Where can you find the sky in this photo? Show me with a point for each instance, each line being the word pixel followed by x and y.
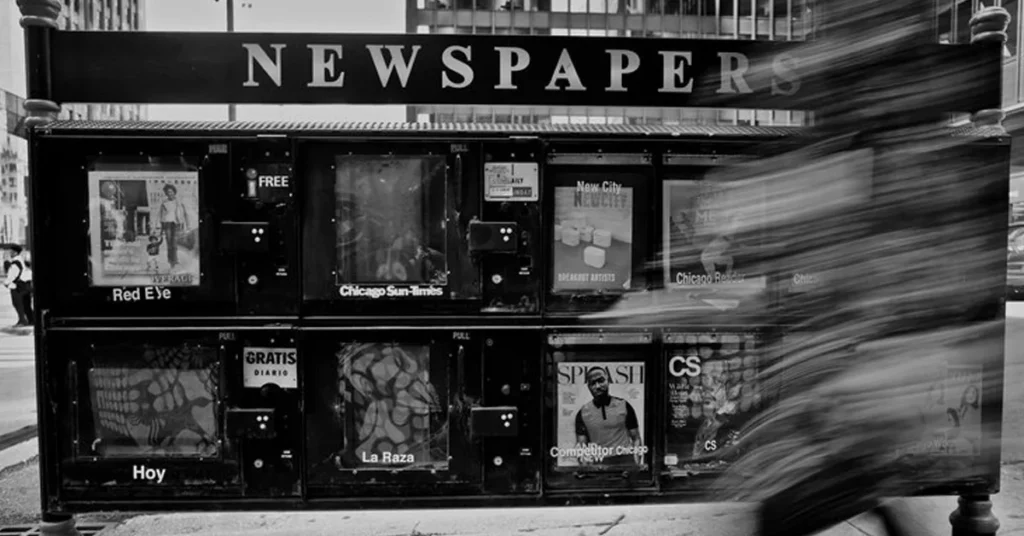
pixel 300 16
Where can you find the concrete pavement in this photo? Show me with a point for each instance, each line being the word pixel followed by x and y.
pixel 17 374
pixel 926 516
pixel 19 493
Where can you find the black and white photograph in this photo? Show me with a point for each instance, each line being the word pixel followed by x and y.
pixel 512 267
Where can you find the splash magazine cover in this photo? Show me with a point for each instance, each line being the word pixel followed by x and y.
pixel 144 228
pixel 713 389
pixel 593 240
pixel 600 415
pixel 710 240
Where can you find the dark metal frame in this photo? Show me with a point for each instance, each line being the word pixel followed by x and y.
pixel 53 328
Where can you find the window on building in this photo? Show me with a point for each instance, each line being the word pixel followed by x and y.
pixel 1013 6
pixel 596 6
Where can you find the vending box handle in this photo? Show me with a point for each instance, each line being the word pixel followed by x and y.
pixel 460 368
pixel 458 182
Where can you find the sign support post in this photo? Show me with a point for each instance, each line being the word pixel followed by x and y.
pixel 973 516
pixel 39 18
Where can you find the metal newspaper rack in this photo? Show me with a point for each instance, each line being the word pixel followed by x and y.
pixel 234 315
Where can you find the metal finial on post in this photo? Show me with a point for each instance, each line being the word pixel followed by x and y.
pixel 989 24
pixel 39 18
pixel 42 13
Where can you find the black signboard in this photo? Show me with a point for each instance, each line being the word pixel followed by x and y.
pixel 267 68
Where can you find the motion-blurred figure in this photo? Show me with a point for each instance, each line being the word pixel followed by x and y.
pixel 905 225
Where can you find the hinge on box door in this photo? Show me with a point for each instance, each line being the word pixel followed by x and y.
pixel 705 159
pixel 599 159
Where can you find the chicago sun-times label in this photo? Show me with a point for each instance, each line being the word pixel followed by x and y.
pixel 376 292
pixel 261 365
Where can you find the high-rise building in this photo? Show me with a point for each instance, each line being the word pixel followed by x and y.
pixel 99 15
pixel 779 20
pixel 103 15
pixel 691 19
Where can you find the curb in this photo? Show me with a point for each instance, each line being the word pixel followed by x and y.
pixel 18 456
pixel 1014 309
pixel 19 436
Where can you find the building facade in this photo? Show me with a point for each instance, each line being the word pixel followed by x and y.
pixel 782 20
pixel 103 15
pixel 99 15
pixel 693 19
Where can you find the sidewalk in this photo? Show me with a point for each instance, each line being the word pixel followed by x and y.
pixel 8 317
pixel 927 516
pixel 19 495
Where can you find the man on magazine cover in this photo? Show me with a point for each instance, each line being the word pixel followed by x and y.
pixel 610 423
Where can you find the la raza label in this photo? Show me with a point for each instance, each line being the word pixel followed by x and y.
pixel 261 366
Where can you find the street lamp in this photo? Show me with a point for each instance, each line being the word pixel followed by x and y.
pixel 231 28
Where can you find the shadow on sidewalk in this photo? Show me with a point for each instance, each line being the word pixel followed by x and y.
pixel 17 330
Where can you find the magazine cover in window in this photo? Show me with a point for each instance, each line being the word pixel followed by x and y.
pixel 600 409
pixel 144 228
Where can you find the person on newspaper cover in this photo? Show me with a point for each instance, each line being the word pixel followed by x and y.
pixel 153 253
pixel 608 422
pixel 173 219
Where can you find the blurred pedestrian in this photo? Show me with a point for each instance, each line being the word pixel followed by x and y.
pixel 19 282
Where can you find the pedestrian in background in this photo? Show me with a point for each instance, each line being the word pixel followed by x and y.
pixel 19 281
